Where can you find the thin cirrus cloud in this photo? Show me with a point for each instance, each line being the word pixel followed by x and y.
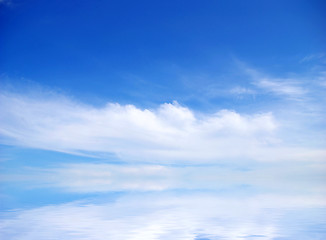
pixel 285 87
pixel 312 57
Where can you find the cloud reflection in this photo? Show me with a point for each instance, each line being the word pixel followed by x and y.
pixel 168 216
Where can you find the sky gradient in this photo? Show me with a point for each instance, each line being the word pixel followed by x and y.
pixel 196 120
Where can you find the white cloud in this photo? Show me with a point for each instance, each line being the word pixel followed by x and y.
pixel 163 216
pixel 170 132
pixel 290 88
pixel 286 87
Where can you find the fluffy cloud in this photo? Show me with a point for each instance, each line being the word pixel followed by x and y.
pixel 169 132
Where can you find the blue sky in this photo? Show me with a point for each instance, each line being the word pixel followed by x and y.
pixel 103 49
pixel 162 119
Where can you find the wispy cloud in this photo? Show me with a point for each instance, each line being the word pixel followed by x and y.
pixel 285 87
pixel 298 99
pixel 311 57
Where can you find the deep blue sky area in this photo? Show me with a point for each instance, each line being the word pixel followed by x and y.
pixel 104 48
